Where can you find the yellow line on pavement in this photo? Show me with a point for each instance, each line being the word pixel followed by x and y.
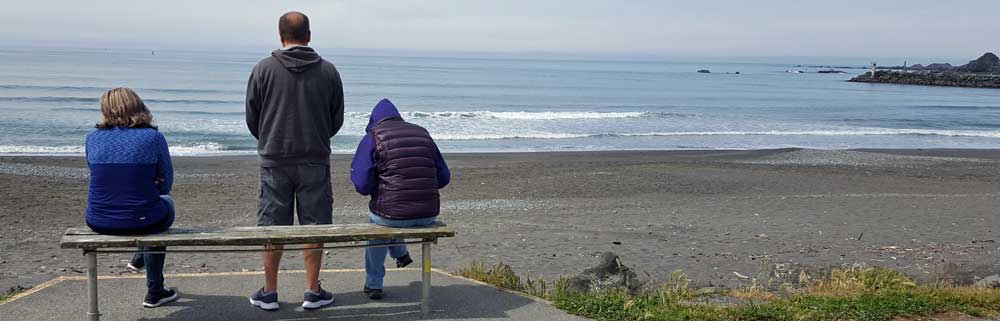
pixel 34 289
pixel 60 279
pixel 212 274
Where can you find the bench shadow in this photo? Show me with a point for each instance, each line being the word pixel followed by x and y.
pixel 458 301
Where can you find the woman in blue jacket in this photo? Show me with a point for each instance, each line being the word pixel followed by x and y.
pixel 130 180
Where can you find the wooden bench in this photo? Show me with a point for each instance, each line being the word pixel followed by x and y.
pixel 236 239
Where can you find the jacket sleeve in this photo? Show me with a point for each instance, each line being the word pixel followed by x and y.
pixel 443 173
pixel 337 105
pixel 363 170
pixel 253 105
pixel 164 167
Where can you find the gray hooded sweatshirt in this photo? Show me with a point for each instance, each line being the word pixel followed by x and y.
pixel 295 104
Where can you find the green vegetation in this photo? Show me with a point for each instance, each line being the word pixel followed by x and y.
pixel 861 294
pixel 4 296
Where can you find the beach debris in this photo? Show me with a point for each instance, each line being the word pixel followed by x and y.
pixel 992 281
pixel 861 235
pixel 704 71
pixel 760 236
pixel 616 243
pixel 740 275
pixel 610 273
pixel 16 289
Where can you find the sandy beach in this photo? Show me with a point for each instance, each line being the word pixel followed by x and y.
pixel 757 213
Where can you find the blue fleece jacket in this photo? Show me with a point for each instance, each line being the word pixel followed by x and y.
pixel 364 167
pixel 129 169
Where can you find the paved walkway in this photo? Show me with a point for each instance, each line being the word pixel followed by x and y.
pixel 223 296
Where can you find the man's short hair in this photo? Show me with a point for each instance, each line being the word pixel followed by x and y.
pixel 294 26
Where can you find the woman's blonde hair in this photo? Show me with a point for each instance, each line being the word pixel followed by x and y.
pixel 122 107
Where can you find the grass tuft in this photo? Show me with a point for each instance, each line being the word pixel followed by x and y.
pixel 856 293
pixel 502 275
pixel 858 280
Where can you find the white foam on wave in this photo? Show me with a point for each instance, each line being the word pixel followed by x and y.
pixel 860 132
pixel 77 150
pixel 865 132
pixel 47 150
pixel 206 149
pixel 525 135
pixel 519 115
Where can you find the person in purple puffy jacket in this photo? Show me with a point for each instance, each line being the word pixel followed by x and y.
pixel 399 165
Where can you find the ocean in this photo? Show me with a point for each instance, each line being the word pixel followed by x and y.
pixel 49 101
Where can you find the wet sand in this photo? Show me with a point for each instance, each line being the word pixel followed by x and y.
pixel 758 213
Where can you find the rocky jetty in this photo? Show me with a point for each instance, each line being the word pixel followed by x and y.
pixel 983 72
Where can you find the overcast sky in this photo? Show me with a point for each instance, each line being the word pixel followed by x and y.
pixel 850 28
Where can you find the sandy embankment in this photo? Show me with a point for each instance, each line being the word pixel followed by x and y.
pixel 710 213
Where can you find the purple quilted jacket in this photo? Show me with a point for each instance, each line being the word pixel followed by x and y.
pixel 400 166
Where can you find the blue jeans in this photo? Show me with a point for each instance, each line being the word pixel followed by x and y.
pixel 375 256
pixel 154 262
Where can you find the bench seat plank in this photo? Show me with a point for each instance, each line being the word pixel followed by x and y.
pixel 85 238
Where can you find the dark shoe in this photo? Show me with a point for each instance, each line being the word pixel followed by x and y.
pixel 312 300
pixel 403 261
pixel 374 294
pixel 155 299
pixel 266 301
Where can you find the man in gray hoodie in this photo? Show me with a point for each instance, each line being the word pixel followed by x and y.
pixel 294 106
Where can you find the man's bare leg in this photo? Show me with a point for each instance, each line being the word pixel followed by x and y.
pixel 313 261
pixel 272 261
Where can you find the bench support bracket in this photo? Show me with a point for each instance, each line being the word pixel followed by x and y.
pixel 92 313
pixel 425 304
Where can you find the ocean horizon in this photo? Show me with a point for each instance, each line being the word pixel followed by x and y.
pixel 503 103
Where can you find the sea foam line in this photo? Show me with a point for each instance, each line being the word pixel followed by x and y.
pixel 861 132
pixel 869 132
pixel 210 148
pixel 524 115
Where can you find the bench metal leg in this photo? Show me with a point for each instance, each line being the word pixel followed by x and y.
pixel 425 304
pixel 93 314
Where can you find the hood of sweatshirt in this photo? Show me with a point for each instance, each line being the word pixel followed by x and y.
pixel 297 59
pixel 383 110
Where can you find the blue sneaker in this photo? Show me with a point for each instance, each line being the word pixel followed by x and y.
pixel 266 301
pixel 315 300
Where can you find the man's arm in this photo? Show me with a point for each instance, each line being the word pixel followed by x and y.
pixel 164 168
pixel 253 105
pixel 443 173
pixel 337 105
pixel 363 170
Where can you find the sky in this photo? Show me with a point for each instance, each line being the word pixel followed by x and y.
pixel 843 28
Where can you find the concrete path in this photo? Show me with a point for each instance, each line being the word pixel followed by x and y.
pixel 223 296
